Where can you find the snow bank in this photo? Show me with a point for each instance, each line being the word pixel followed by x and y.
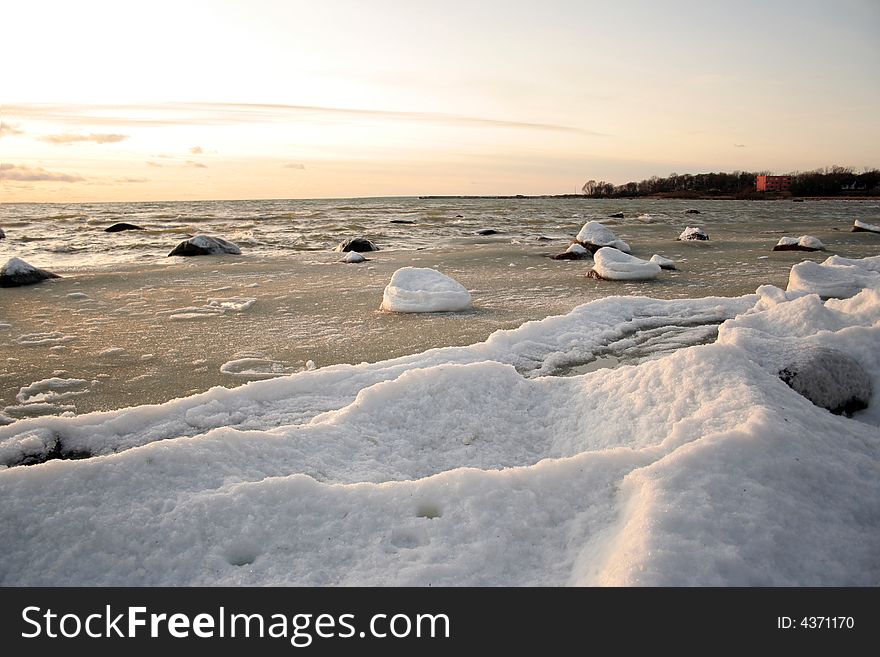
pixel 833 278
pixel 594 235
pixel 422 290
pixel 475 466
pixel 613 265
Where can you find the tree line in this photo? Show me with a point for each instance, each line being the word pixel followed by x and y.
pixel 827 181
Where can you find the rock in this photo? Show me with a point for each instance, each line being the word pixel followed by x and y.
pixel 616 215
pixel 488 231
pixel 17 272
pixel 828 378
pixel 802 243
pixel 359 244
pixel 401 221
pixel 692 211
pixel 611 264
pixel 422 290
pixel 573 252
pixel 353 257
pixel 204 245
pixel 595 236
pixel 797 200
pixel 117 228
pixel 542 238
pixel 663 263
pixel 864 227
pixel 2 234
pixel 691 234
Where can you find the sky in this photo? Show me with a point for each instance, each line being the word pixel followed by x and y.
pixel 246 99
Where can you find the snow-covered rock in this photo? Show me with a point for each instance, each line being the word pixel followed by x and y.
pixel 573 252
pixel 358 244
pixel 693 234
pixel 802 243
pixel 16 272
pixel 830 279
pixel 352 257
pixel 204 245
pixel 422 290
pixel 864 227
pixel 828 378
pixel 612 265
pixel 594 236
pixel 663 263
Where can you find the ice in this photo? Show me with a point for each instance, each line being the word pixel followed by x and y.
pixel 598 235
pixel 235 304
pixel 51 390
pixel 613 265
pixel 692 466
pixel 38 339
pixel 254 366
pixel 422 290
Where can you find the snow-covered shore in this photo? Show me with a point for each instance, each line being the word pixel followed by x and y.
pixel 690 463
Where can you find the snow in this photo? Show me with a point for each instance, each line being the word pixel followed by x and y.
pixel 422 290
pixel 479 466
pixel 598 235
pixel 17 267
pixel 693 233
pixel 50 390
pixel 353 257
pixel 834 277
pixel 576 248
pixel 613 265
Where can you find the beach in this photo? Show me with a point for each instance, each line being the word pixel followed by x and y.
pixel 256 419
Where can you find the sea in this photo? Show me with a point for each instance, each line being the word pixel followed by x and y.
pixel 71 237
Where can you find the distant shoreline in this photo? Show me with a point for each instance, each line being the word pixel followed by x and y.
pixel 657 197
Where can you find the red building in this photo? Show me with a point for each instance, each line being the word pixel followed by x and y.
pixel 773 183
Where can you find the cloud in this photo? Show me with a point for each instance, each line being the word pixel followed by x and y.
pixel 15 172
pixel 10 129
pixel 294 165
pixel 196 165
pixel 739 145
pixel 153 164
pixel 164 114
pixel 196 150
pixel 73 138
pixel 132 180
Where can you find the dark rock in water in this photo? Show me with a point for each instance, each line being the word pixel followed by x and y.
pixel 401 221
pixel 691 211
pixel 16 273
pixel 459 216
pixel 488 231
pixel 358 244
pixel 2 234
pixel 793 247
pixel 204 245
pixel 829 379
pixel 797 200
pixel 616 215
pixel 117 228
pixel 542 238
pixel 571 255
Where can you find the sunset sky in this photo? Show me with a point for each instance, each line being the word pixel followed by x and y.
pixel 180 100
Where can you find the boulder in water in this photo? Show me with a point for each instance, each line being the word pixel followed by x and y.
pixel 573 252
pixel 693 234
pixel 423 290
pixel 594 236
pixel 204 245
pixel 802 243
pixel 353 257
pixel 663 263
pixel 864 227
pixel 359 244
pixel 118 228
pixel 613 265
pixel 17 272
